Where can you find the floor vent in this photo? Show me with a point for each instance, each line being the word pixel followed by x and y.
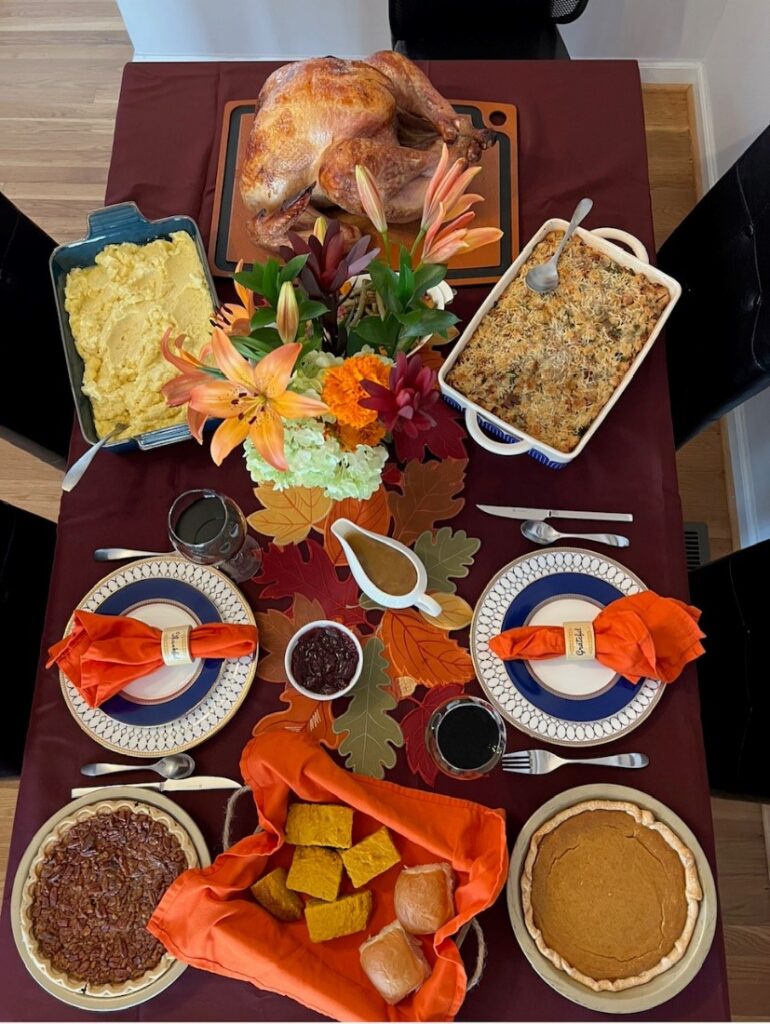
pixel 696 545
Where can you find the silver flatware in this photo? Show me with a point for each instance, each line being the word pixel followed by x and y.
pixel 117 554
pixel 74 474
pixel 542 533
pixel 540 762
pixel 545 277
pixel 175 766
pixel 196 783
pixel 516 512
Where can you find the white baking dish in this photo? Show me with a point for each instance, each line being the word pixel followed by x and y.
pixel 513 441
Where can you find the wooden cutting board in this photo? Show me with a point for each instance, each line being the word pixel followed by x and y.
pixel 498 183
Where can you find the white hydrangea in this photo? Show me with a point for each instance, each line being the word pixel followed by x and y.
pixel 318 460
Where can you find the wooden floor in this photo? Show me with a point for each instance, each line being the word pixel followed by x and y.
pixel 60 67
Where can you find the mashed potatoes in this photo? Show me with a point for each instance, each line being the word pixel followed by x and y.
pixel 119 311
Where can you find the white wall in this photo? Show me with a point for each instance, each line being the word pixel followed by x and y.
pixel 255 29
pixel 644 29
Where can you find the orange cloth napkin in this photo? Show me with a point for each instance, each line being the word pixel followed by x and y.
pixel 643 636
pixel 209 919
pixel 103 653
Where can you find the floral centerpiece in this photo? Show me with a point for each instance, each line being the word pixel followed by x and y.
pixel 311 370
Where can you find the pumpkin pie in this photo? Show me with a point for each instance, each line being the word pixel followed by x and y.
pixel 610 895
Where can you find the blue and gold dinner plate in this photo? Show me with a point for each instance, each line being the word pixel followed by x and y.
pixel 175 707
pixel 559 701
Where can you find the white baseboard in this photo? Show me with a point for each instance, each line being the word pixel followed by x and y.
pixel 734 423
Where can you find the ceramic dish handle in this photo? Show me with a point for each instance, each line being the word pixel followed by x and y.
pixel 496 447
pixel 633 243
pixel 111 219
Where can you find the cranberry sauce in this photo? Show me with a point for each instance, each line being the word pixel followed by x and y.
pixel 324 660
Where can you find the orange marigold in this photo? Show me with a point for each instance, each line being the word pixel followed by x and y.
pixel 342 390
pixel 351 437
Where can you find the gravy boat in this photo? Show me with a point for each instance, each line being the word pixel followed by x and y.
pixel 344 528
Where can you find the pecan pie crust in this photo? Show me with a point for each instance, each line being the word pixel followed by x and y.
pixel 90 891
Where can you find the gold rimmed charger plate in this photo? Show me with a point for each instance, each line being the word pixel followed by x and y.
pixel 220 703
pixel 79 999
pixel 661 988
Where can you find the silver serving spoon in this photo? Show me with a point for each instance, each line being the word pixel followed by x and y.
pixel 543 533
pixel 175 766
pixel 74 474
pixel 545 277
pixel 116 554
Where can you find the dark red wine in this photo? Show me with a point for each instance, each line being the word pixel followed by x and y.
pixel 201 522
pixel 468 737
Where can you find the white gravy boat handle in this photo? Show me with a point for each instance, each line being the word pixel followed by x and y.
pixel 428 605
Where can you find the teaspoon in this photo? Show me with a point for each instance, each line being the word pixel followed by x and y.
pixel 545 277
pixel 543 533
pixel 175 766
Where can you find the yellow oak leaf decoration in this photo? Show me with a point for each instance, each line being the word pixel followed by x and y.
pixel 289 516
pixel 455 613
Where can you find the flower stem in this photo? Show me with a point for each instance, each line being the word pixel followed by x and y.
pixel 420 236
pixel 385 247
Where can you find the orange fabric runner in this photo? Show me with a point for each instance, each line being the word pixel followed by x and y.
pixel 209 919
pixel 103 653
pixel 643 636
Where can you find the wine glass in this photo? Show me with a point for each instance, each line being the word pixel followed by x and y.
pixel 209 528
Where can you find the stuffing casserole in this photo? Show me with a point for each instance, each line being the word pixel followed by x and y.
pixel 548 364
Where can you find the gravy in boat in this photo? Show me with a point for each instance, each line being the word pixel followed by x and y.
pixel 387 568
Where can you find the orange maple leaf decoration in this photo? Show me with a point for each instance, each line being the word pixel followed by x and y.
pixel 416 649
pixel 303 714
pixel 430 493
pixel 373 514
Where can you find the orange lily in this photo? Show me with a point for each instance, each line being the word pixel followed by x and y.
pixel 234 318
pixel 178 391
pixel 447 187
pixel 287 313
pixel 449 242
pixel 371 200
pixel 253 401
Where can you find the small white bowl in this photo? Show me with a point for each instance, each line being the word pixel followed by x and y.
pixel 293 643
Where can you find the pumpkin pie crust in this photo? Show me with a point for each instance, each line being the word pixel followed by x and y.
pixel 610 895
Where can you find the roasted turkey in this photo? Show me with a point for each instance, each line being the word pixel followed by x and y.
pixel 316 119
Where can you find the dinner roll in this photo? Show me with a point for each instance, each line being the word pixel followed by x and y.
pixel 394 963
pixel 423 897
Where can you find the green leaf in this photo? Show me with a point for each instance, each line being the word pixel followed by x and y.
pixel 269 335
pixel 250 348
pixel 447 555
pixel 264 316
pixel 251 279
pixel 291 269
pixel 377 333
pixel 369 605
pixel 425 321
pixel 405 286
pixel 309 309
pixel 428 276
pixel 371 735
pixel 385 281
pixel 270 282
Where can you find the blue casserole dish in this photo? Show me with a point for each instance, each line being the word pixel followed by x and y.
pixel 120 223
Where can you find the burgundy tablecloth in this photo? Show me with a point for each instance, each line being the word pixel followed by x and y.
pixel 581 133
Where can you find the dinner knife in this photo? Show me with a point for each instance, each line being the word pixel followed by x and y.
pixel 512 512
pixel 196 782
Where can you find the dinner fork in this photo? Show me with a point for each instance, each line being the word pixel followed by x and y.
pixel 539 762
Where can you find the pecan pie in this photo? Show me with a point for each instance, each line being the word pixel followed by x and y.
pixel 91 890
pixel 611 896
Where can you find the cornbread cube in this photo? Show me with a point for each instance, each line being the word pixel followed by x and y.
pixel 320 825
pixel 316 871
pixel 370 857
pixel 272 893
pixel 343 917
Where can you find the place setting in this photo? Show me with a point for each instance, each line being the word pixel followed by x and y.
pixel 396 717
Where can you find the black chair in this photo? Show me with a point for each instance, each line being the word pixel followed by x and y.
pixel 486 30
pixel 732 674
pixel 38 403
pixel 718 337
pixel 26 556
